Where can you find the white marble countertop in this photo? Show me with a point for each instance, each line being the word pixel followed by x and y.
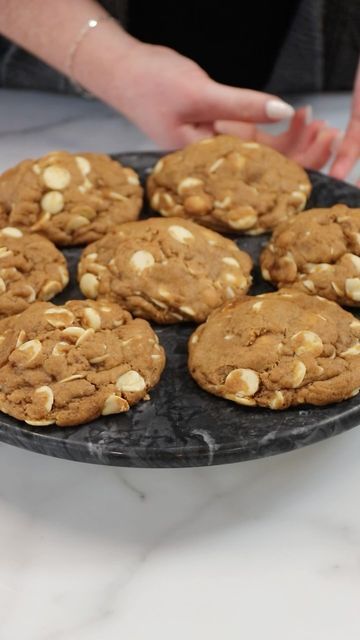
pixel 264 549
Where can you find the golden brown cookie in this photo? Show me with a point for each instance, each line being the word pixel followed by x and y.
pixel 229 185
pixel 278 349
pixel 71 199
pixel 68 365
pixel 317 252
pixel 31 268
pixel 165 270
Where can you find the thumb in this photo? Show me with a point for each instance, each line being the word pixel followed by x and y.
pixel 220 102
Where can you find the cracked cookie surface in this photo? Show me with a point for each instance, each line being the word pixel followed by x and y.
pixel 67 365
pixel 31 268
pixel 278 350
pixel 318 252
pixel 69 198
pixel 165 270
pixel 229 185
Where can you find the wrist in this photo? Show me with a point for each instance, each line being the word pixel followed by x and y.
pixel 102 60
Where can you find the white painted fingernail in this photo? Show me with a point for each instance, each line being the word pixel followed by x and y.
pixel 279 110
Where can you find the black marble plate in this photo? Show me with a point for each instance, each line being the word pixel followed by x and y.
pixel 183 426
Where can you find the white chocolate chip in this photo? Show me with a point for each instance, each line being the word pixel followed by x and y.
pixel 56 177
pixel 114 404
pixel 188 183
pixel 60 348
pixel 164 293
pixel 30 296
pixel 92 257
pixel 39 423
pixel 257 306
pixel 231 261
pixel 155 200
pixel 181 234
pixel 131 176
pixel 76 222
pixel 20 339
pixel 352 351
pixel 85 186
pixel 307 342
pixel 31 348
pixel 88 333
pixel 230 293
pixel 158 303
pixel 64 276
pixel 265 273
pixel 247 402
pixel 11 232
pixel 76 376
pixel 309 285
pixel 52 202
pixel 85 211
pixel 93 319
pixel 5 253
pixel 59 317
pixel 141 260
pixel 50 289
pixel 73 332
pixel 89 285
pixel 355 261
pixel 229 336
pixel 194 338
pixel 352 288
pixel 158 167
pixel 48 397
pixel 216 165
pixel 83 164
pixel 277 401
pixel 243 382
pixel 337 289
pixel 298 373
pixel 312 267
pixel 355 325
pixel 130 382
pixel 36 169
pixel 98 359
pixel 237 160
pixel 223 204
pixel 250 145
pixel 117 196
pixel 245 222
pixel 41 222
pixel 188 310
pixel 298 196
pixel 304 187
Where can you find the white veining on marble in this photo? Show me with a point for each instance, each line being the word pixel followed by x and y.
pixel 264 549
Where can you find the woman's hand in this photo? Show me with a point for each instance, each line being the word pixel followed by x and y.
pixel 174 101
pixel 349 149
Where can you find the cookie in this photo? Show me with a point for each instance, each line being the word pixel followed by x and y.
pixel 68 365
pixel 278 350
pixel 165 270
pixel 229 185
pixel 70 199
pixel 318 252
pixel 31 268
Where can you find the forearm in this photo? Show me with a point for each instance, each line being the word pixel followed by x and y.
pixel 49 29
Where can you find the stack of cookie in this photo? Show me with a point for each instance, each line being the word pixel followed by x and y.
pixel 66 365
